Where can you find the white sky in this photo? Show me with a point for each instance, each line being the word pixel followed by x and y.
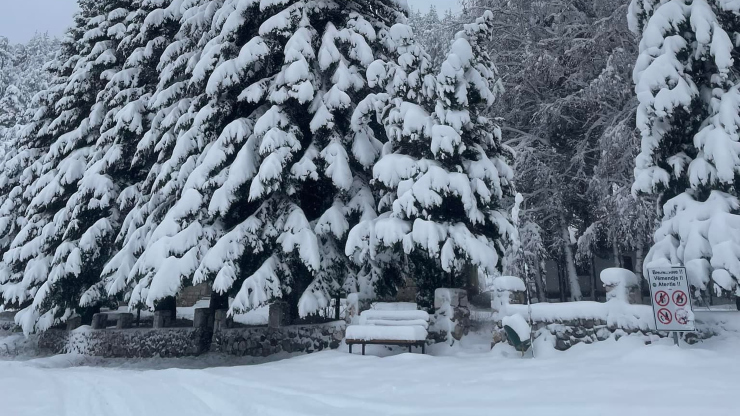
pixel 20 19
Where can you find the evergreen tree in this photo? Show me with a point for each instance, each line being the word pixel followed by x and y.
pixel 23 270
pixel 159 155
pixel 687 83
pixel 59 243
pixel 444 172
pixel 264 172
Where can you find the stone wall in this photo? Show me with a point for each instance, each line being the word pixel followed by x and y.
pixel 451 320
pixel 192 294
pixel 127 343
pixel 571 323
pixel 7 327
pixel 264 341
pixel 206 335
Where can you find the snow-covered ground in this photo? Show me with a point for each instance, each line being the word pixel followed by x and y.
pixel 609 378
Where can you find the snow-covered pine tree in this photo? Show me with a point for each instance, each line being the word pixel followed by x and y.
pixel 68 234
pixel 265 172
pixel 444 171
pixel 111 184
pixel 687 82
pixel 406 82
pixel 22 76
pixel 22 271
pixel 21 165
pixel 166 147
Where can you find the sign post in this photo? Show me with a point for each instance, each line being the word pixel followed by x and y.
pixel 669 291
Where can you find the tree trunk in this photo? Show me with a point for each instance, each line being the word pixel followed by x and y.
pixel 615 251
pixel 570 265
pixel 561 280
pixel 594 280
pixel 337 306
pixel 218 301
pixel 472 280
pixel 539 282
pixel 87 314
pixel 639 261
pixel 167 304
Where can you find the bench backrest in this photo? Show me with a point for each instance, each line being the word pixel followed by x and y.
pixel 395 318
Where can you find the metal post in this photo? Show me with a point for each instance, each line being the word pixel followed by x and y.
pixel 675 338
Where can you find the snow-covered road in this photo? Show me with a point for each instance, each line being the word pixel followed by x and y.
pixel 612 378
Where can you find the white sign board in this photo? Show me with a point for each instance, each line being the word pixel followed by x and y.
pixel 669 289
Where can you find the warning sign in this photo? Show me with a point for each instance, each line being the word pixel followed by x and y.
pixel 669 287
pixel 662 298
pixel 682 316
pixel 664 316
pixel 680 298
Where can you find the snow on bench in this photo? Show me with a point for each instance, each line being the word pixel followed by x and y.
pixel 386 333
pixel 390 324
pixel 395 306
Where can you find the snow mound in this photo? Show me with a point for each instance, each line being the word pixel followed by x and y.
pixel 395 315
pixel 615 276
pixel 395 306
pixel 518 324
pixel 618 314
pixel 508 283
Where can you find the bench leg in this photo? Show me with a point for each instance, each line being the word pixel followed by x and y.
pixel 409 348
pixel 423 348
pixel 363 349
pixel 350 348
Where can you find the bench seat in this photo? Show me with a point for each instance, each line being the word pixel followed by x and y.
pixel 400 326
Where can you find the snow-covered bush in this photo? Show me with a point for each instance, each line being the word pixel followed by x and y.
pixel 687 83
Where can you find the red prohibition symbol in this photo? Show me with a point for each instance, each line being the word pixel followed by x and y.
pixel 664 316
pixel 680 298
pixel 682 317
pixel 662 298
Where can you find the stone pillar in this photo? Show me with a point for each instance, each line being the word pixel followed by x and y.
pixel 74 322
pixel 507 290
pixel 162 319
pixel 99 321
pixel 221 319
pixel 125 321
pixel 355 306
pixel 279 315
pixel 202 318
pixel 621 285
pixel 451 314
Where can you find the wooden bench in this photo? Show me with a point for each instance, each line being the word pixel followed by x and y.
pixel 390 324
pixel 409 344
